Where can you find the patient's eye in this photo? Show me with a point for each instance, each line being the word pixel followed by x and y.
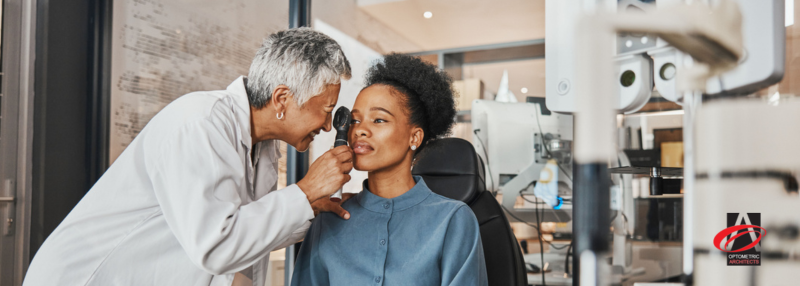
pixel 379 120
pixel 354 121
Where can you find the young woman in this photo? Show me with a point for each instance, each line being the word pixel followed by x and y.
pixel 399 231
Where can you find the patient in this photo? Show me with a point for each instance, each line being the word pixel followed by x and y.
pixel 399 232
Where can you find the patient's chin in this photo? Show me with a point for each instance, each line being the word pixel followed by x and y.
pixel 360 165
pixel 369 164
pixel 367 168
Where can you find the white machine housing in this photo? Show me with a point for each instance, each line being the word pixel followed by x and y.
pixel 506 137
pixel 635 95
pixel 763 64
pixel 507 131
pixel 666 62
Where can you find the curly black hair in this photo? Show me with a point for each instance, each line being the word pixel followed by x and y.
pixel 428 92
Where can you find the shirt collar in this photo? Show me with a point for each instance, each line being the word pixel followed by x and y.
pixel 414 196
pixel 242 104
pixel 271 148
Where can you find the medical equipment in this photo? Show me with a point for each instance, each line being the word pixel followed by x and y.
pixel 516 141
pixel 643 61
pixel 712 42
pixel 341 122
pixel 546 187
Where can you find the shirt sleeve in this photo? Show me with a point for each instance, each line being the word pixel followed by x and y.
pixel 309 268
pixel 197 176
pixel 295 237
pixel 462 254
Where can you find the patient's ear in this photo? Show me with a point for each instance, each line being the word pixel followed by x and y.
pixel 416 137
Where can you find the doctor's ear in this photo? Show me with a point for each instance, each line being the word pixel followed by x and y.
pixel 280 97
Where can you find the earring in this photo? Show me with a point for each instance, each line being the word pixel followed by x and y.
pixel 279 116
pixel 413 147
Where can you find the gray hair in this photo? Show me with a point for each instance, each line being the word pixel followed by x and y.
pixel 302 59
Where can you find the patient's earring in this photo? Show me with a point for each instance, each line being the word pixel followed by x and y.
pixel 279 116
pixel 413 147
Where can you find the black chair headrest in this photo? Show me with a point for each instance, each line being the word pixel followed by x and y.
pixel 452 169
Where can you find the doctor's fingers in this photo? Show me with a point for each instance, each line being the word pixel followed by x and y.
pixel 347 196
pixel 346 167
pixel 346 178
pixel 346 156
pixel 344 149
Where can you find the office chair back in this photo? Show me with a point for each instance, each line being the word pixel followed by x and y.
pixel 451 168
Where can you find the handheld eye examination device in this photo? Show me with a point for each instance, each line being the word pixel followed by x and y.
pixel 341 122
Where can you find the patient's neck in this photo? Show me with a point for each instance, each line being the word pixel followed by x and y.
pixel 391 182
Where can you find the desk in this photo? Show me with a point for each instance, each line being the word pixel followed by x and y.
pixel 660 260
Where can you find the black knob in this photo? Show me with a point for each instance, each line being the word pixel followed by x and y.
pixel 656 185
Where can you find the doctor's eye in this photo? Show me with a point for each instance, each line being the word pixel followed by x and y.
pixel 354 121
pixel 379 121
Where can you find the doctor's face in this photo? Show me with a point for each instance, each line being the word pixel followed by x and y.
pixel 312 118
pixel 381 132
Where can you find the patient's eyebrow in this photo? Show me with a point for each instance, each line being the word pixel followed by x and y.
pixel 381 109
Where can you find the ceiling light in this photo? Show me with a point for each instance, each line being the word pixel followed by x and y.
pixel 427 14
pixel 524 90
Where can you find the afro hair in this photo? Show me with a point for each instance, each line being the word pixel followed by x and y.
pixel 428 92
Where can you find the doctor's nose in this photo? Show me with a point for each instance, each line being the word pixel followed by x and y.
pixel 327 125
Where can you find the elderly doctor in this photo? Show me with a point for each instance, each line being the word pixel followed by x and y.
pixel 192 200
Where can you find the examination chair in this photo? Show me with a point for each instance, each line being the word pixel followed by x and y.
pixel 452 169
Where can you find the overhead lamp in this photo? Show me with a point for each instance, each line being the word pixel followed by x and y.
pixel 427 14
pixel 524 90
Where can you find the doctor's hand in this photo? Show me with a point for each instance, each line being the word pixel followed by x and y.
pixel 327 174
pixel 333 207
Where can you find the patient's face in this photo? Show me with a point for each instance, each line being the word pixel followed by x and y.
pixel 380 133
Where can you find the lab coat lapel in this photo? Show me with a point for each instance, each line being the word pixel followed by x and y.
pixel 266 167
pixel 261 179
pixel 241 107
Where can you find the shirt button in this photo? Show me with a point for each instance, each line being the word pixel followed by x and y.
pixel 383 241
pixel 377 280
pixel 386 205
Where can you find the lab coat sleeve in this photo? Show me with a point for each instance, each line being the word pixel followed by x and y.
pixel 309 269
pixel 462 253
pixel 197 177
pixel 296 236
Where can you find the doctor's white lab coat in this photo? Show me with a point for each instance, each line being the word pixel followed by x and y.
pixel 183 205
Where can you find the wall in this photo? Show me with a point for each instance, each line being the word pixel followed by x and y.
pixel 347 17
pixel 791 79
pixel 463 23
pixel 525 73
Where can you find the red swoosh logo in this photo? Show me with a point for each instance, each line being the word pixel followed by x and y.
pixel 728 231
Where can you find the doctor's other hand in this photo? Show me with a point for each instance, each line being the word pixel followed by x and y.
pixel 334 207
pixel 327 174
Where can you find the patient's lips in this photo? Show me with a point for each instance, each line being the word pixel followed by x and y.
pixel 362 147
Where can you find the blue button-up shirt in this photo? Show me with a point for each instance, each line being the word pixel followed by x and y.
pixel 418 238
